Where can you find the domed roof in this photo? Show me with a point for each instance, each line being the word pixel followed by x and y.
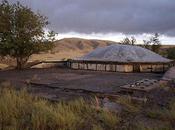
pixel 124 53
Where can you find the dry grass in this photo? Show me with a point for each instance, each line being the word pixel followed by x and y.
pixel 19 111
pixel 57 56
pixel 132 112
pixel 165 114
pixel 3 66
pixel 129 105
pixel 143 127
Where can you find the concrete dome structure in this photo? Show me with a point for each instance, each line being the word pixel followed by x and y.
pixel 122 58
pixel 124 53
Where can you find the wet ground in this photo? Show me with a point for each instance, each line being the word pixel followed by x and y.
pixel 59 82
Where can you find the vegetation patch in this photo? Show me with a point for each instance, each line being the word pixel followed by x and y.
pixel 19 111
pixel 129 105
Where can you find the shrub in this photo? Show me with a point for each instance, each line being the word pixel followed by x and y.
pixel 171 53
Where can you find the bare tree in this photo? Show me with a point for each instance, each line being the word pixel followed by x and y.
pixel 129 41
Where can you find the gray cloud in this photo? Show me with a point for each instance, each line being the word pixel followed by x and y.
pixel 103 16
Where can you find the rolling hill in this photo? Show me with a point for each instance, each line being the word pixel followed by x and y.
pixel 81 45
pixel 69 48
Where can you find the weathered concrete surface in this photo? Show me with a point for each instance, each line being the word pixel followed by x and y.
pixel 170 74
pixel 61 80
pixel 124 53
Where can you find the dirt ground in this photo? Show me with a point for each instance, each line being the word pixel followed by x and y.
pixel 56 82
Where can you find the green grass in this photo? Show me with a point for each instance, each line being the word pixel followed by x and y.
pixel 20 111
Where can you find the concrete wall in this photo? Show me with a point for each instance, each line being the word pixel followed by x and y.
pixel 119 68
pixel 153 68
pixel 145 68
pixel 48 65
pixel 91 66
pixel 128 68
pixel 103 67
pixel 74 65
pixel 45 65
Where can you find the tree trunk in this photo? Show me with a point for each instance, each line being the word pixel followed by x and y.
pixel 18 63
pixel 21 62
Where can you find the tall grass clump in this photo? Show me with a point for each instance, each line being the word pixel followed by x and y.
pixel 21 111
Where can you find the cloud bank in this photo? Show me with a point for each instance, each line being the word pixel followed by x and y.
pixel 106 16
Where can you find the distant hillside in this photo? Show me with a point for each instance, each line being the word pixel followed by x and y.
pixel 66 48
pixel 70 48
pixel 81 45
pixel 76 47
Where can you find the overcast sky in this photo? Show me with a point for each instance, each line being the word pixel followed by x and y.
pixel 108 17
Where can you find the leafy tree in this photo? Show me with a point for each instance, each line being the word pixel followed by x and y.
pixel 128 41
pixel 171 53
pixel 153 43
pixel 22 32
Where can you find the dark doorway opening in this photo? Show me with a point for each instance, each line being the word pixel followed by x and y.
pixel 136 68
